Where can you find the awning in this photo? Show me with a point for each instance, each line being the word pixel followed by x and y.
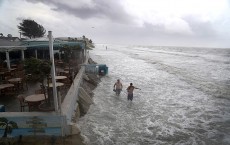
pixel 10 46
pixel 40 43
pixel 44 44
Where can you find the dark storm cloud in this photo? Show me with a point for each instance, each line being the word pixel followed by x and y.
pixel 201 29
pixel 118 22
pixel 153 34
pixel 111 10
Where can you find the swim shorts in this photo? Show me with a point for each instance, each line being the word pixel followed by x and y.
pixel 118 91
pixel 130 97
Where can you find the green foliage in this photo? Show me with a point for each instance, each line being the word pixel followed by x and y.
pixel 45 67
pixel 3 120
pixel 68 51
pixel 31 29
pixel 7 125
pixel 38 68
pixel 31 66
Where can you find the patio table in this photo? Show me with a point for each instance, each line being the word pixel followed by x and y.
pixel 60 77
pixel 3 86
pixel 67 69
pixel 16 81
pixel 57 84
pixel 35 98
pixel 64 73
pixel 60 62
pixel 13 66
pixel 2 75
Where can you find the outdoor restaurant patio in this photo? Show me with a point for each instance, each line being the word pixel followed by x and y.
pixel 19 92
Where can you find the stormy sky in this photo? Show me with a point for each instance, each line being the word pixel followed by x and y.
pixel 200 23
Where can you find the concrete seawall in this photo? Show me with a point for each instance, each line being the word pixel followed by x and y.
pixel 78 100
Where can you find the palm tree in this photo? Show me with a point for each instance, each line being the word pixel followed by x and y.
pixel 8 125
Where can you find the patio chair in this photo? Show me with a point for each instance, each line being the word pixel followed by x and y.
pixel 7 76
pixel 10 91
pixel 24 81
pixel 43 90
pixel 39 91
pixel 21 74
pixel 23 104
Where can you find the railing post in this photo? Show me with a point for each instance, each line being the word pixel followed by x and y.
pixel 53 71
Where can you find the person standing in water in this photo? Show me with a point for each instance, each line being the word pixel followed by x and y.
pixel 130 91
pixel 118 87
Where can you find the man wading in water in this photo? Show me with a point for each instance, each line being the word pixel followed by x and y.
pixel 130 91
pixel 118 87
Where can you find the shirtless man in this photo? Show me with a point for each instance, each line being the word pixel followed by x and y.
pixel 130 91
pixel 118 87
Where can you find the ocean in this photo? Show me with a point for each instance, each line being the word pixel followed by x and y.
pixel 184 97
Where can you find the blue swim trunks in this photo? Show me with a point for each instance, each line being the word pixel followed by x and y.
pixel 130 97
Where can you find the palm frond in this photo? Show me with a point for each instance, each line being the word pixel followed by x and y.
pixel 13 124
pixel 3 119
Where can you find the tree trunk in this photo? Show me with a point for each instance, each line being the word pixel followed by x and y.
pixel 5 131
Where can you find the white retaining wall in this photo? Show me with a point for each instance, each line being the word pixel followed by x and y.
pixel 69 104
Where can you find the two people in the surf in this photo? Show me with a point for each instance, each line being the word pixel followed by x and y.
pixel 118 88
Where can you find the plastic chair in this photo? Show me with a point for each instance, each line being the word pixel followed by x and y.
pixel 23 104
pixel 10 91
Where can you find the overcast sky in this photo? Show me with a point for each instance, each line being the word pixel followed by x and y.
pixel 144 22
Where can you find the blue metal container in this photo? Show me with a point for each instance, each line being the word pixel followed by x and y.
pixel 99 69
pixel 103 69
pixel 2 108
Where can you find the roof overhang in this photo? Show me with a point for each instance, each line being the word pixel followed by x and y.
pixel 11 48
pixel 39 43
pixel 45 44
